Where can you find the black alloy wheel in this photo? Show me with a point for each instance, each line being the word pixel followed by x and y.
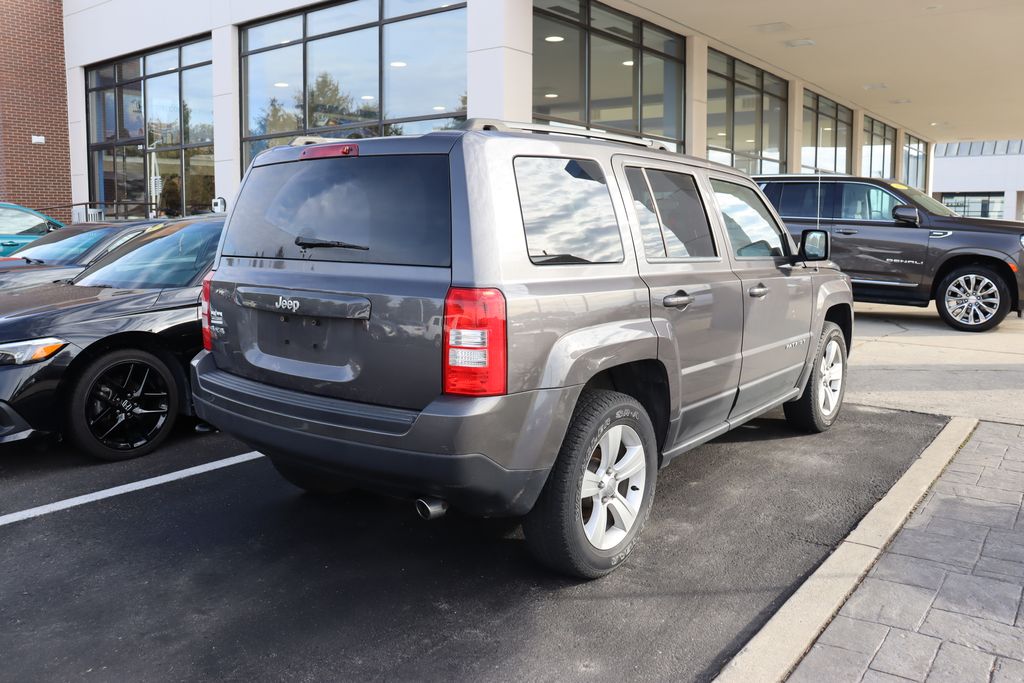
pixel 124 405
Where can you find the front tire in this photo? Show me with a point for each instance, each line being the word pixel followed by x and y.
pixel 123 405
pixel 599 493
pixel 818 408
pixel 972 299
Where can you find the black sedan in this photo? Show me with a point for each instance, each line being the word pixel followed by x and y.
pixel 63 254
pixel 101 359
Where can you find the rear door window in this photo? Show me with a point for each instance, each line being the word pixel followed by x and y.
pixel 567 211
pixel 375 209
pixel 673 221
pixel 862 202
pixel 806 200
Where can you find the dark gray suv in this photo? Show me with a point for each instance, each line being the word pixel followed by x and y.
pixel 901 246
pixel 514 322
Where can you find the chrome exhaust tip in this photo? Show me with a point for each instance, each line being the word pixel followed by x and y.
pixel 431 508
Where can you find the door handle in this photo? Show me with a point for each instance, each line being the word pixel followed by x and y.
pixel 847 231
pixel 758 291
pixel 678 300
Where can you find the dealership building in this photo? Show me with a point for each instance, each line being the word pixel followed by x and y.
pixel 165 109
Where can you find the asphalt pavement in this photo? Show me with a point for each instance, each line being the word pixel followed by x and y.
pixel 235 574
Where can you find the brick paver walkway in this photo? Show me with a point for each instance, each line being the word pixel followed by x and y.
pixel 943 603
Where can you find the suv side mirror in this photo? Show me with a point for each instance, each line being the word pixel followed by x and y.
pixel 906 214
pixel 815 245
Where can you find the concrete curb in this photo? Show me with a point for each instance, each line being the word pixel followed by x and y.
pixel 778 647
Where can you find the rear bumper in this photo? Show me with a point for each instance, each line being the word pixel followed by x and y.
pixel 487 456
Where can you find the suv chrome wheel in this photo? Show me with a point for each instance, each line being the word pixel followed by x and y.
pixel 613 487
pixel 972 299
pixel 831 378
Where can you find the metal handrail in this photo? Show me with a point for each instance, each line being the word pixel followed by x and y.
pixel 498 125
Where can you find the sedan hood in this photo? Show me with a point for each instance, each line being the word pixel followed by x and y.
pixel 27 275
pixel 46 310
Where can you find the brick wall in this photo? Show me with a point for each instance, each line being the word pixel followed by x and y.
pixel 33 101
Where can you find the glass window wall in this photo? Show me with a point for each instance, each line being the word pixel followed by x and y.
pixel 151 133
pixel 594 66
pixel 828 136
pixel 747 111
pixel 345 71
pixel 879 151
pixel 915 161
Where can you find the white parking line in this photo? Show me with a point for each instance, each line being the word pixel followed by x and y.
pixel 13 517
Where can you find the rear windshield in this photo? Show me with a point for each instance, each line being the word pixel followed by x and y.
pixel 385 209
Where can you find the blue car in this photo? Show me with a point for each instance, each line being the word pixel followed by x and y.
pixel 19 226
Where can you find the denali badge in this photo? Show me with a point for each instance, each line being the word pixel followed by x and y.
pixel 287 304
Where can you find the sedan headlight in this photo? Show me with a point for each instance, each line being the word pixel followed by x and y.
pixel 31 351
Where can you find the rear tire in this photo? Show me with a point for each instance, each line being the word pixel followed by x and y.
pixel 123 405
pixel 311 481
pixel 973 298
pixel 819 406
pixel 599 493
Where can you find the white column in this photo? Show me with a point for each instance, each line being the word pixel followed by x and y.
pixel 226 93
pixel 499 59
pixel 78 137
pixel 897 167
pixel 795 129
pixel 929 175
pixel 695 133
pixel 857 167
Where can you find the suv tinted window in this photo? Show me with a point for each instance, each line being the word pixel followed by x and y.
pixel 806 200
pixel 397 207
pixel 751 228
pixel 683 230
pixel 863 202
pixel 567 211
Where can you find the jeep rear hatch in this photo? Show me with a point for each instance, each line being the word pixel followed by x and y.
pixel 333 277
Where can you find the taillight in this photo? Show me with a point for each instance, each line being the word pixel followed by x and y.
pixel 474 342
pixel 204 312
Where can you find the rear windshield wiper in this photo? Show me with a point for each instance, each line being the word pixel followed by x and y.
pixel 313 243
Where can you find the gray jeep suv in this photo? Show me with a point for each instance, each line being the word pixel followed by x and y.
pixel 901 246
pixel 515 322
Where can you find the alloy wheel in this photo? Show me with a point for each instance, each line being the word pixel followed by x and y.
pixel 831 373
pixel 128 405
pixel 613 487
pixel 972 299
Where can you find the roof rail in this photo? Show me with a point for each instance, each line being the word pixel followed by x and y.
pixel 546 129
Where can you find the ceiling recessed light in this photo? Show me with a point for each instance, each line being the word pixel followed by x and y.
pixel 280 84
pixel 721 135
pixel 800 42
pixel 827 128
pixel 554 39
pixel 628 62
pixel 749 140
pixel 773 27
pixel 398 65
pixel 551 95
pixel 875 86
pixel 934 123
pixel 439 108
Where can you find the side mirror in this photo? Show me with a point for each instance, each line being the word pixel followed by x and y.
pixel 50 227
pixel 906 214
pixel 815 245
